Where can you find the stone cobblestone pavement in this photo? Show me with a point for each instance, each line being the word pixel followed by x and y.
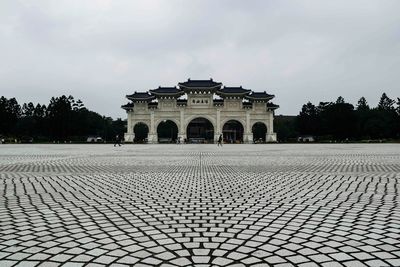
pixel 200 205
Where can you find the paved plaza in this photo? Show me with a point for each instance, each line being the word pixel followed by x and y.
pixel 200 205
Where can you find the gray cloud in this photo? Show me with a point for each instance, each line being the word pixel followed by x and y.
pixel 101 50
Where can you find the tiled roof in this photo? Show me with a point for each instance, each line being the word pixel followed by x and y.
pixel 127 106
pixel 233 90
pixel 140 96
pixel 200 84
pixel 166 91
pixel 272 106
pixel 259 96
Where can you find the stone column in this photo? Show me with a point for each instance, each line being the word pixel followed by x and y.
pixel 271 136
pixel 182 129
pixel 271 122
pixel 129 122
pixel 248 135
pixel 129 136
pixel 218 129
pixel 152 138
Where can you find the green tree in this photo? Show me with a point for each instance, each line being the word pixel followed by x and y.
pixel 59 117
pixel 362 104
pixel 338 120
pixel 307 120
pixel 383 122
pixel 286 128
pixel 385 103
pixel 363 113
pixel 340 100
pixel 28 109
pixel 10 112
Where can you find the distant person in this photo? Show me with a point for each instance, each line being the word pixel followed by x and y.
pixel 219 143
pixel 117 140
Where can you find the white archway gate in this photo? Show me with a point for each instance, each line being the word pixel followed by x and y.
pixel 206 99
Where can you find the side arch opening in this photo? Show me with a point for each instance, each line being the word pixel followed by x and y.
pixel 233 132
pixel 259 130
pixel 141 131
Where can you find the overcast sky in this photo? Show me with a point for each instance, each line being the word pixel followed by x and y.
pixel 99 51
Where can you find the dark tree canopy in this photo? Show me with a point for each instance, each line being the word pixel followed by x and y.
pixel 341 121
pixel 362 104
pixel 10 111
pixel 308 119
pixel 63 119
pixel 385 103
pixel 398 106
pixel 340 100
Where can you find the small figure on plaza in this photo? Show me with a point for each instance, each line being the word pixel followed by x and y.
pixel 117 140
pixel 219 143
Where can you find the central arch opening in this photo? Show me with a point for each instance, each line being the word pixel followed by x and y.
pixel 141 131
pixel 233 132
pixel 167 131
pixel 200 130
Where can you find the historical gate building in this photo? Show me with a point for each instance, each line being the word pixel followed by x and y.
pixel 199 111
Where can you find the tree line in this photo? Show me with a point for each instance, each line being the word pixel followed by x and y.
pixel 341 121
pixel 64 119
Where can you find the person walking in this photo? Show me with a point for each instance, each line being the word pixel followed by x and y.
pixel 117 140
pixel 219 143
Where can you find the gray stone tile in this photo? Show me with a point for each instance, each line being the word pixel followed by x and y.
pixel 145 205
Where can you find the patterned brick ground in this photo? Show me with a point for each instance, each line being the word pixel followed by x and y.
pixel 200 205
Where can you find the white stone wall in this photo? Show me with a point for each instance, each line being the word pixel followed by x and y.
pixel 183 115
